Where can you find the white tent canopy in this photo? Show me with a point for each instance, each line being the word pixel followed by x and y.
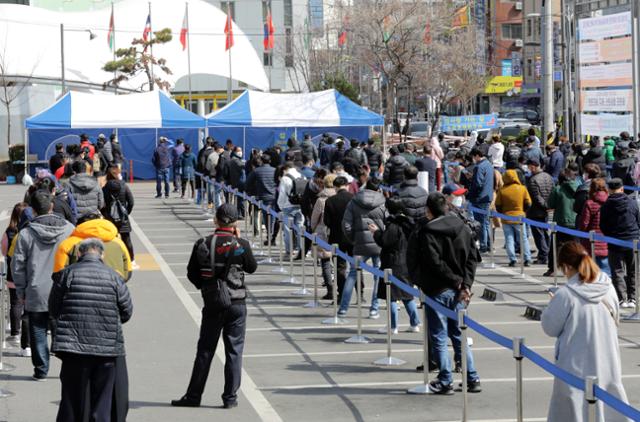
pixel 30 42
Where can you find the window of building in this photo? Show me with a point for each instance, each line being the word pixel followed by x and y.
pixel 529 25
pixel 267 58
pixel 288 13
pixel 529 68
pixel 231 5
pixel 288 57
pixel 512 31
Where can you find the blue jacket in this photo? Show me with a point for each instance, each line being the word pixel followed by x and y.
pixel 481 190
pixel 161 157
pixel 555 165
pixel 326 155
pixel 187 164
pixel 176 154
pixel 261 183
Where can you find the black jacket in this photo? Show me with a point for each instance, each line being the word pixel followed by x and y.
pixel 235 173
pixel 118 189
pixel 442 255
pixel 334 209
pixel 414 198
pixel 539 186
pixel 62 208
pixel 393 241
pixel 89 303
pixel 242 261
pixel 294 154
pixel 394 170
pixel 56 161
pixel 309 150
pixel 619 218
pixel 595 155
pixel 309 197
pixel 581 196
pixel 374 157
pixel 116 151
pixel 366 207
pixel 261 183
pixel 429 165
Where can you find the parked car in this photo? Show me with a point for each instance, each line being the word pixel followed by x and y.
pixel 529 115
pixel 421 129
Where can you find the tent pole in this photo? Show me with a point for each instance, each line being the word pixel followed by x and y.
pixel 244 141
pixel 26 151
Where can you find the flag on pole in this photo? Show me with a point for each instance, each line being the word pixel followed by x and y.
pixel 184 30
pixel 147 28
pixel 228 30
pixel 111 34
pixel 427 34
pixel 386 25
pixel 342 37
pixel 461 17
pixel 307 34
pixel 269 40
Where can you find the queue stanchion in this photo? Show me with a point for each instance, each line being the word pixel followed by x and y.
pixel 424 387
pixel 260 222
pixel 388 360
pixel 280 268
pixel 635 316
pixel 358 338
pixel 303 291
pixel 291 279
pixel 592 243
pixel 522 235
pixel 268 259
pixel 4 367
pixel 554 251
pixel 517 355
pixel 336 320
pixel 254 223
pixel 590 383
pixel 314 254
pixel 464 363
pixel 245 211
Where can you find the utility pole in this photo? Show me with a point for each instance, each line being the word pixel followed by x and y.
pixel 547 74
pixel 566 69
pixel 635 17
pixel 62 75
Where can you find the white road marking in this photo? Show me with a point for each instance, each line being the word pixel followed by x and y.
pixel 4 215
pixel 263 408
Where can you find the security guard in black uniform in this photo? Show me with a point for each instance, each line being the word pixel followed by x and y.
pixel 220 278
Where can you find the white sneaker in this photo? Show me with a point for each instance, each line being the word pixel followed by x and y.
pixel 134 265
pixel 383 330
pixel 412 329
pixel 374 314
pixel 26 353
pixel 628 305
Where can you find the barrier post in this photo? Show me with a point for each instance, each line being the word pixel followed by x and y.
pixel 291 279
pixel 554 251
pixel 424 387
pixel 635 316
pixel 246 216
pixel 314 254
pixel 592 244
pixel 522 235
pixel 388 360
pixel 465 349
pixel 492 261
pixel 517 355
pixel 336 320
pixel 303 291
pixel 260 241
pixel 589 395
pixel 268 259
pixel 280 268
pixel 358 338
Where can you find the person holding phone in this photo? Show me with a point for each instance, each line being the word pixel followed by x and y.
pixel 217 267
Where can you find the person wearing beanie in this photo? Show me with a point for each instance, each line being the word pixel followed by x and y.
pixel 218 272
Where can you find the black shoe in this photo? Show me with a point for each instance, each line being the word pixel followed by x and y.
pixel 458 368
pixel 472 386
pixel 230 404
pixel 158 196
pixel 328 296
pixel 548 274
pixel 527 263
pixel 540 261
pixel 437 387
pixel 185 401
pixel 512 263
pixel 432 367
pixel 266 243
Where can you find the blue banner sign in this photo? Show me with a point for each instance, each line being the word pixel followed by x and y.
pixel 473 122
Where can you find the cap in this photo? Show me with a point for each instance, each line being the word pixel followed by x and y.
pixel 615 183
pixel 101 136
pixel 227 214
pixel 453 189
pixel 533 162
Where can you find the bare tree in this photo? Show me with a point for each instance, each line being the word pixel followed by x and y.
pixel 10 89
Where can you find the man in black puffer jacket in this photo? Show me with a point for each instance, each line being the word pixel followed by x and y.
pixel 89 302
pixel 414 198
pixel 394 168
pixel 374 157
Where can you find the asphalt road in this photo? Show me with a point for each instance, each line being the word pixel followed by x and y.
pixel 295 367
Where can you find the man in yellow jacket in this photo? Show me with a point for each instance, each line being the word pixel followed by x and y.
pixel 116 255
pixel 513 200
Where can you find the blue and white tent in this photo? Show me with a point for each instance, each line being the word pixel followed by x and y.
pixel 140 119
pixel 259 120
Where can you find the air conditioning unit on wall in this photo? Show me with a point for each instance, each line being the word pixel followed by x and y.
pixel 518 5
pixel 518 43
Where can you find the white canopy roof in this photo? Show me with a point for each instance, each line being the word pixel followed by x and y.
pixel 30 42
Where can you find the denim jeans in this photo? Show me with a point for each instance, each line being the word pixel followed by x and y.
pixel 350 283
pixel 440 329
pixel 542 241
pixel 485 223
pixel 38 325
pixel 412 311
pixel 603 264
pixel 293 216
pixel 214 194
pixel 511 236
pixel 162 175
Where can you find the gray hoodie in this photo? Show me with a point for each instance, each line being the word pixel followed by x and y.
pixel 32 262
pixel 87 193
pixel 583 317
pixel 367 207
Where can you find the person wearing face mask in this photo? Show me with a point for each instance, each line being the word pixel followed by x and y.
pixel 455 199
pixel 583 317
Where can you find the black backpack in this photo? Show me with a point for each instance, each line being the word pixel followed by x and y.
pixel 117 210
pixel 297 190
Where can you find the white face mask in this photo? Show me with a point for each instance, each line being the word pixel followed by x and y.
pixel 457 201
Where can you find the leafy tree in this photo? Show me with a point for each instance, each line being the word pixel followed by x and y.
pixel 137 59
pixel 339 83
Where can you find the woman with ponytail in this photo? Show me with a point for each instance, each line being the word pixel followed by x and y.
pixel 583 316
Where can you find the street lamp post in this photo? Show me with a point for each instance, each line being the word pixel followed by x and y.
pixel 547 74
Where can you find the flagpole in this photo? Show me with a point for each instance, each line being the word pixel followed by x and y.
pixel 113 46
pixel 230 80
pixel 151 48
pixel 188 51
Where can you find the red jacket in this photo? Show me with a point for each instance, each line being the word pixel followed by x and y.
pixel 589 219
pixel 92 149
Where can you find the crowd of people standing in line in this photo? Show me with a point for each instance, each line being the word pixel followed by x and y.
pixel 426 236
